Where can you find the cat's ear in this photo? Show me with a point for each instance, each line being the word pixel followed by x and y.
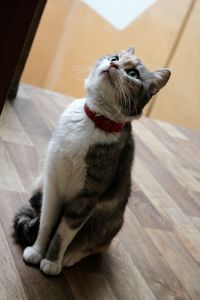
pixel 131 50
pixel 160 78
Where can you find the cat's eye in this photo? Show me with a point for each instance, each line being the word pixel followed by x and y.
pixel 114 58
pixel 133 73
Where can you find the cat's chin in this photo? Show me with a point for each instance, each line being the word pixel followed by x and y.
pixel 106 76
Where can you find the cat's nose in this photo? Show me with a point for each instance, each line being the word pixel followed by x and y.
pixel 113 64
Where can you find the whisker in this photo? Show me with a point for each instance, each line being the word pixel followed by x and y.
pixel 123 94
pixel 128 85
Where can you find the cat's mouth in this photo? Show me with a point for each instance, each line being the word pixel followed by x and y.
pixel 106 73
pixel 109 74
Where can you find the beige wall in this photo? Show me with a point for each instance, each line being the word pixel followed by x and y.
pixel 71 37
pixel 180 102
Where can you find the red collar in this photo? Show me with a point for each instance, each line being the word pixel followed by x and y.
pixel 103 122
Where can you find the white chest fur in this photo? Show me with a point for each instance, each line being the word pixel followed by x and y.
pixel 68 149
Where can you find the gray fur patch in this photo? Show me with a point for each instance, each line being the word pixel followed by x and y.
pixel 106 192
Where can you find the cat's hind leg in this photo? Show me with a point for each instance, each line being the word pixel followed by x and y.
pixel 77 212
pixel 52 263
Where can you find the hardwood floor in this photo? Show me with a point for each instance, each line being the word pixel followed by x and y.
pixel 156 254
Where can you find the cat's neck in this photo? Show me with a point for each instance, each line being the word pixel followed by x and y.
pixel 102 122
pixel 104 108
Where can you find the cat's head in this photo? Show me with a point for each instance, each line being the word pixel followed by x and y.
pixel 119 86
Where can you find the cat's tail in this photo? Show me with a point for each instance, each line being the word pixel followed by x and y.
pixel 26 221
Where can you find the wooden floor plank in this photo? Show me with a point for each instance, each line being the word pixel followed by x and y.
pixel 148 215
pixel 168 208
pixel 171 130
pixel 184 148
pixel 195 221
pixel 157 168
pixel 26 161
pixel 90 286
pixel 186 232
pixel 161 280
pixel 163 154
pixel 123 276
pixel 10 179
pixel 10 283
pixel 179 260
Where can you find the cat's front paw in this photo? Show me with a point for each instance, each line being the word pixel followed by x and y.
pixel 32 256
pixel 50 268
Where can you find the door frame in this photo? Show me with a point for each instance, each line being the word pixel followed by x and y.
pixel 19 20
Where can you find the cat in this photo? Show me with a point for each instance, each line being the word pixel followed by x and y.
pixel 78 204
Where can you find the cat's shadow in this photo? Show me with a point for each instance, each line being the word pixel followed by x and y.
pixel 86 278
pixel 91 264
